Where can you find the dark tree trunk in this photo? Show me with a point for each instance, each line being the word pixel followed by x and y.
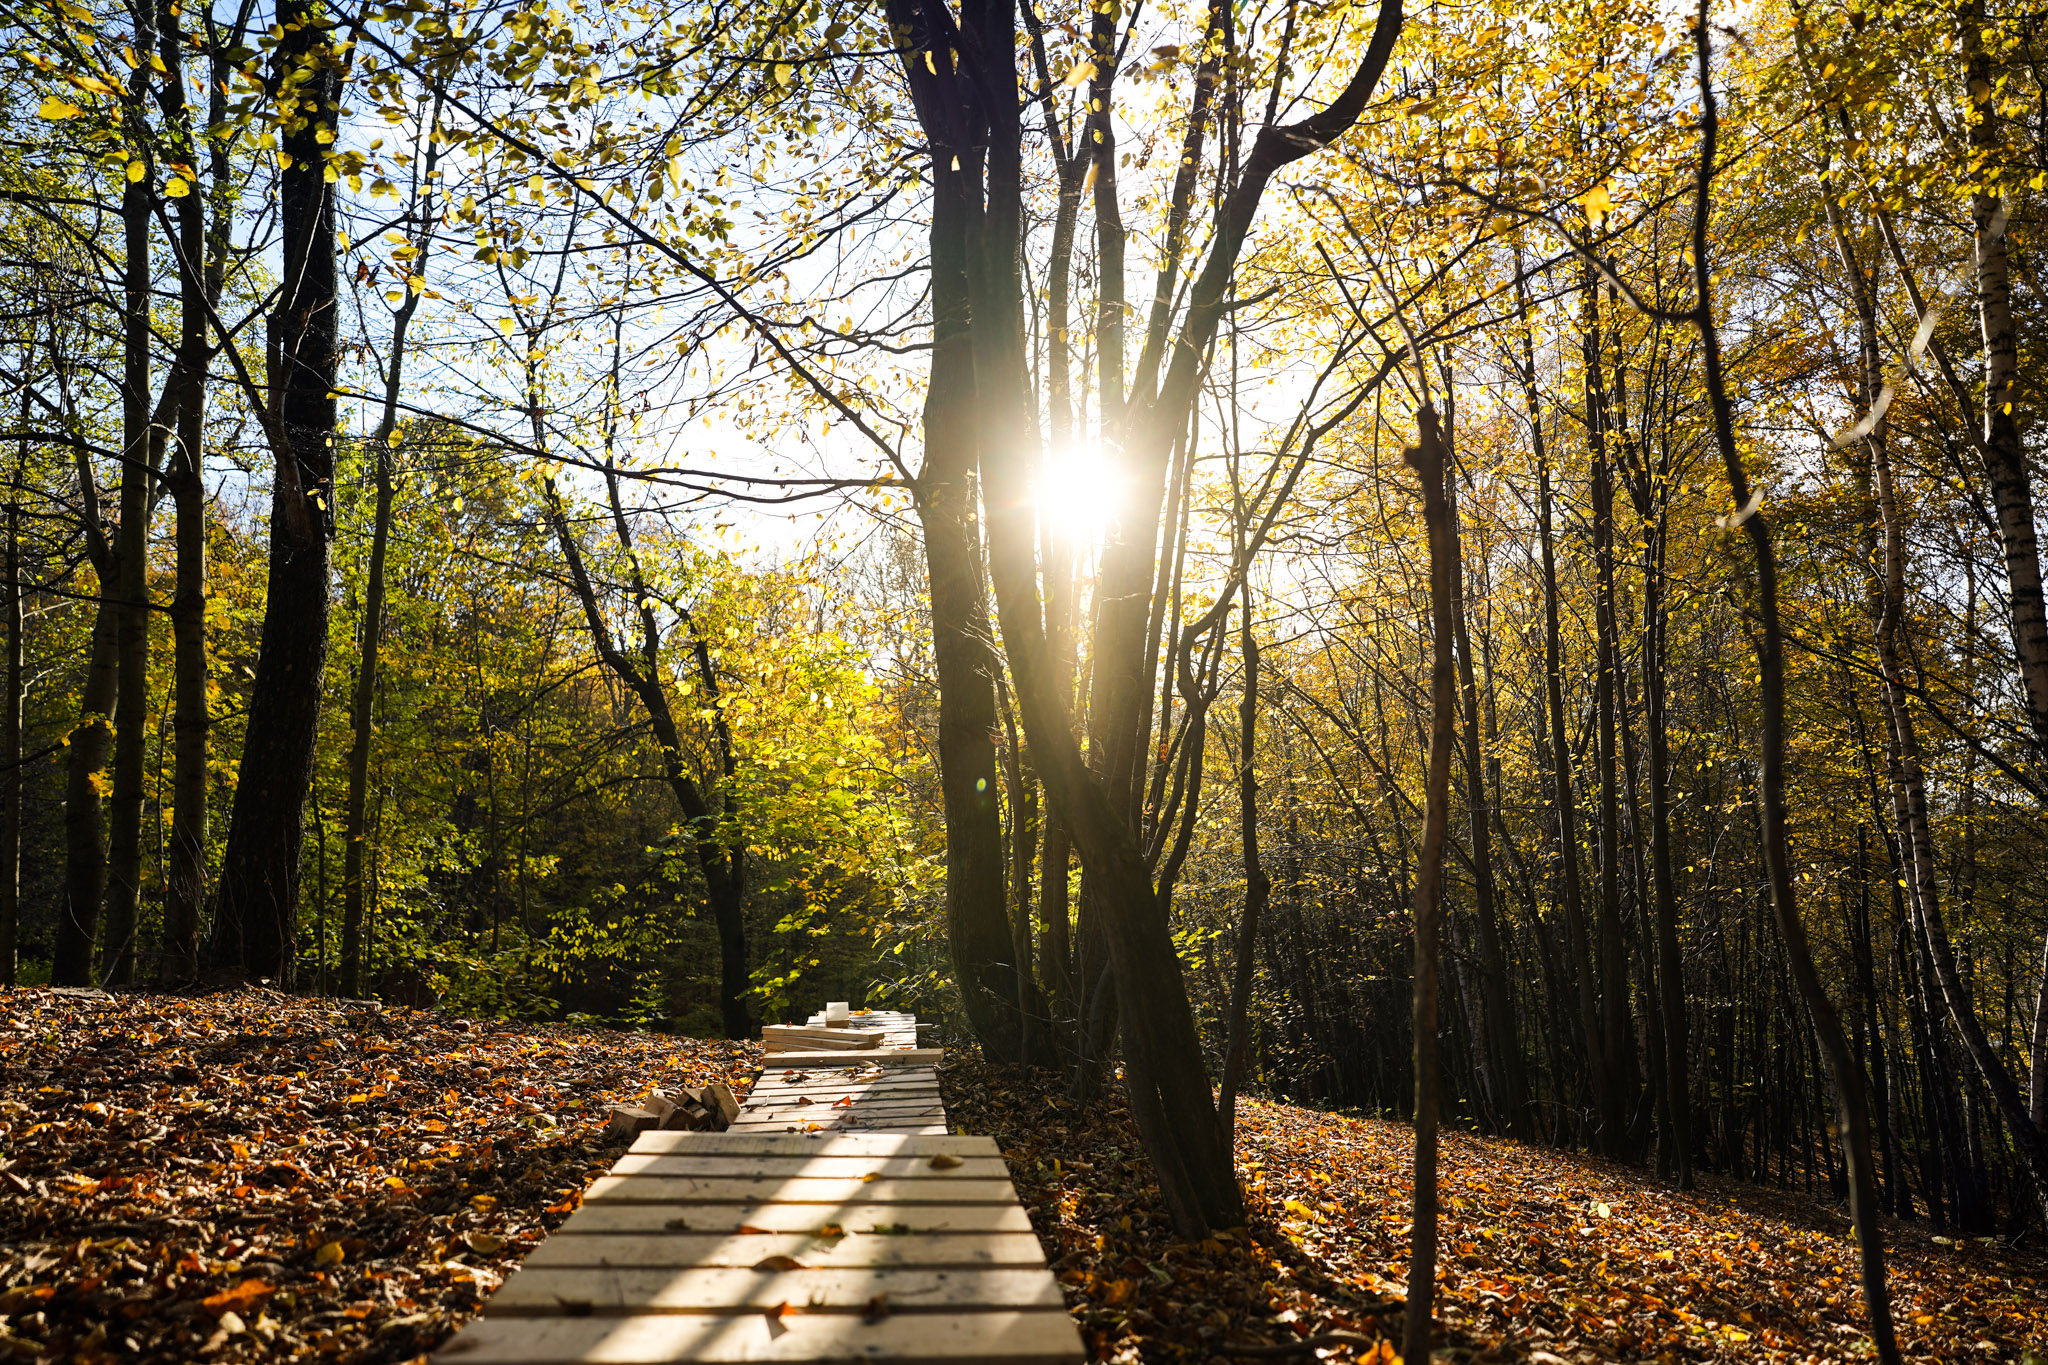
pixel 1507 1083
pixel 259 883
pixel 10 740
pixel 1853 1113
pixel 1428 460
pixel 130 585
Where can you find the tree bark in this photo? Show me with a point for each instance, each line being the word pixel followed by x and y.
pixel 10 740
pixel 1258 887
pixel 1852 1105
pixel 85 846
pixel 130 586
pixel 1506 1080
pixel 259 881
pixel 1428 460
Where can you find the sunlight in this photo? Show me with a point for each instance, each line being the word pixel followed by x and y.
pixel 1079 492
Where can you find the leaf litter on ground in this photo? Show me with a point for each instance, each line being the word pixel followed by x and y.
pixel 1547 1256
pixel 256 1176
pixel 259 1176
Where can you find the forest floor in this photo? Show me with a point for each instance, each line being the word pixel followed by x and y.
pixel 263 1177
pixel 1547 1256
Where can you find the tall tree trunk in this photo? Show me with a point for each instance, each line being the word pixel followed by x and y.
pixel 1853 1112
pixel 259 882
pixel 1571 895
pixel 130 585
pixel 1428 461
pixel 362 715
pixel 978 931
pixel 200 266
pixel 1507 1081
pixel 363 701
pixel 2004 452
pixel 1610 953
pixel 10 739
pixel 85 756
pixel 1258 887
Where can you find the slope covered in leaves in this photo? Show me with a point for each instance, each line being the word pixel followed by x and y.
pixel 267 1177
pixel 1547 1256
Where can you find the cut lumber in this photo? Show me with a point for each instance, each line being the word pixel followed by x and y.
pixel 859 1219
pixel 662 1189
pixel 784 1167
pixel 682 1250
pixel 1004 1338
pixel 777 1279
pixel 719 1094
pixel 841 1126
pixel 834 1144
pixel 901 1056
pixel 803 1038
pixel 630 1119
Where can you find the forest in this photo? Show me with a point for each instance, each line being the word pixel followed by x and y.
pixel 1455 564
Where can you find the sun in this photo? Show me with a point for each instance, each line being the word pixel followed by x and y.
pixel 1079 493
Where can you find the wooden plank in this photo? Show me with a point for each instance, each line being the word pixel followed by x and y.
pixel 726 1220
pixel 775 1082
pixel 906 1056
pixel 745 1250
pixel 652 1189
pixel 1004 1338
pixel 618 1292
pixel 835 1085
pixel 883 1104
pixel 780 1127
pixel 833 1144
pixel 798 1038
pixel 783 1167
pixel 783 1097
pixel 859 1220
pixel 820 1130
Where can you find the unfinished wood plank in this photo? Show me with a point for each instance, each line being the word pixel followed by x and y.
pixel 814 1081
pixel 798 1038
pixel 779 1095
pixel 858 1220
pixel 907 1056
pixel 616 1291
pixel 745 1250
pixel 835 1167
pixel 843 1127
pixel 830 1081
pixel 834 1144
pixel 1004 1338
pixel 883 1104
pixel 653 1189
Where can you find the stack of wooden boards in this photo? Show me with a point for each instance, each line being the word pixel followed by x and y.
pixel 863 1233
pixel 709 1108
pixel 817 1038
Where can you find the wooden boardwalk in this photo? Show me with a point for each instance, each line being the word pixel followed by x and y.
pixel 834 1221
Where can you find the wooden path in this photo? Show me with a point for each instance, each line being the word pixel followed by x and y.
pixel 834 1221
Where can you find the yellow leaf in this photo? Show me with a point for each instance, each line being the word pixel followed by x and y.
pixel 177 188
pixel 1082 73
pixel 329 1254
pixel 54 108
pixel 1597 202
pixel 136 170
